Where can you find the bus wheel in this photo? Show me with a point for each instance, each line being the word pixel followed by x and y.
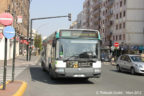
pixel 43 68
pixel 51 74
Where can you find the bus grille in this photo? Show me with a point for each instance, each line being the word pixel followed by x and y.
pixel 76 64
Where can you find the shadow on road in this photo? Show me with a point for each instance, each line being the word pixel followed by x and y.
pixel 126 73
pixel 38 75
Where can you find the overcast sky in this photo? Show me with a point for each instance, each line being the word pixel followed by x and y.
pixel 47 8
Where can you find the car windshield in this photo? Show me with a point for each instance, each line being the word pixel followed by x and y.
pixel 136 58
pixel 78 48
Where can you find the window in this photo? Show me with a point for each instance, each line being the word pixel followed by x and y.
pixel 116 38
pixel 124 25
pixel 120 15
pixel 124 2
pixel 122 57
pixel 120 26
pixel 127 59
pixel 103 30
pixel 116 27
pixel 124 13
pixel 119 37
pixel 120 3
pixel 117 16
pixel 113 37
pixel 123 36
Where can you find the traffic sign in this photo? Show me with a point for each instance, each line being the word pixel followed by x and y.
pixel 116 44
pixel 19 19
pixel 9 32
pixel 6 19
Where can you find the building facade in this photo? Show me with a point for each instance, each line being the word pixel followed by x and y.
pixel 16 8
pixel 86 14
pixel 129 22
pixel 119 21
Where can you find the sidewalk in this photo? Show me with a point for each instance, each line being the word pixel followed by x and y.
pixel 17 88
pixel 21 61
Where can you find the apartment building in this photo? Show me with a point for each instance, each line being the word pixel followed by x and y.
pixel 128 22
pixel 16 8
pixel 106 21
pixel 118 21
pixel 86 14
pixel 80 20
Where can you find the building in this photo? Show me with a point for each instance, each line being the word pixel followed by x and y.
pixel 74 25
pixel 106 21
pixel 128 22
pixel 86 14
pixel 80 20
pixel 119 21
pixel 16 8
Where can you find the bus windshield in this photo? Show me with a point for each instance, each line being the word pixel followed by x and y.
pixel 70 49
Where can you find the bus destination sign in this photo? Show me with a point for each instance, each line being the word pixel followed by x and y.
pixel 75 34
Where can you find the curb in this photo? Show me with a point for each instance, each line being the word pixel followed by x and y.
pixel 21 90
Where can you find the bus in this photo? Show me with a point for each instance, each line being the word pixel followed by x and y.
pixel 72 53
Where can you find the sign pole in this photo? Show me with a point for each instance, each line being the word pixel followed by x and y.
pixel 13 66
pixel 5 65
pixel 14 45
pixel 9 33
pixel 31 23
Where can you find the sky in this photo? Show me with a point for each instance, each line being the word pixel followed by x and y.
pixel 48 8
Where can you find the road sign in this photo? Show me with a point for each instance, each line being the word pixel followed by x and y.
pixel 116 44
pixel 6 19
pixel 19 19
pixel 9 32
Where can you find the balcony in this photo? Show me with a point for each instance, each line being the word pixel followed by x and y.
pixel 110 13
pixel 96 4
pixel 110 3
pixel 110 23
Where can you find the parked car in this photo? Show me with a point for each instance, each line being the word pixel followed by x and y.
pixel 131 63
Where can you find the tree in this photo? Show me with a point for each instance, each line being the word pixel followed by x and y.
pixel 38 41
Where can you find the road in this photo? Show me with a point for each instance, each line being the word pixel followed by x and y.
pixel 111 83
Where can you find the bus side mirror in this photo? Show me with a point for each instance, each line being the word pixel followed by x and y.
pixel 54 43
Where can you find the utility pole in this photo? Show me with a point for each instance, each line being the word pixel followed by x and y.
pixel 27 57
pixel 14 44
pixel 34 19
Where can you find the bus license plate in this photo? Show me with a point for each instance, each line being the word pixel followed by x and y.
pixel 79 75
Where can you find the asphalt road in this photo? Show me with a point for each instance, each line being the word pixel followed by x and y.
pixel 111 83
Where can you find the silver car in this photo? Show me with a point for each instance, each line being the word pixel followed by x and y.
pixel 131 63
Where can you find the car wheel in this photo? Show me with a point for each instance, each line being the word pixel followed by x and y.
pixel 132 70
pixel 118 68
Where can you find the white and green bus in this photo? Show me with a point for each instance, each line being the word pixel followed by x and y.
pixel 72 53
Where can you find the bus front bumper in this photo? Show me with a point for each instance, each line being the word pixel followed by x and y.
pixel 78 72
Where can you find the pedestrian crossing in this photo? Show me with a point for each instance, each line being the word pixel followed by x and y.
pixel 18 70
